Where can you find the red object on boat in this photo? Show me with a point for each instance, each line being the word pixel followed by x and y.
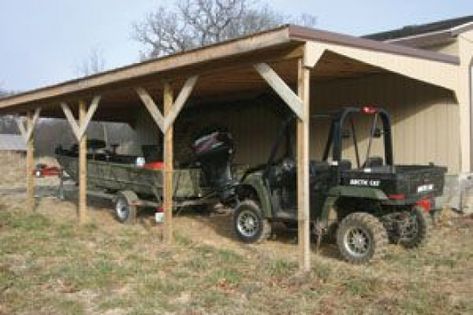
pixel 369 110
pixel 154 165
pixel 44 171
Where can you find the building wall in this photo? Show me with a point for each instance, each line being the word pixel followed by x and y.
pixel 425 118
pixel 425 122
pixel 451 48
pixel 253 129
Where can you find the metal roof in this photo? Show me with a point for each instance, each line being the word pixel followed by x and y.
pixel 233 53
pixel 11 142
pixel 413 30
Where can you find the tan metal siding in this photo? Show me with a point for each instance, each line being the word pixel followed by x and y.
pixel 451 48
pixel 425 118
pixel 425 122
pixel 253 130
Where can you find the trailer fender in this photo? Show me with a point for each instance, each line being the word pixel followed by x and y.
pixel 255 183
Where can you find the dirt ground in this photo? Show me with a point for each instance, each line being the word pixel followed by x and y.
pixel 49 265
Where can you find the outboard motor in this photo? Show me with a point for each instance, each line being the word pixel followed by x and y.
pixel 214 152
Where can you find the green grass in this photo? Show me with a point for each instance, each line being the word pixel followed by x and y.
pixel 51 266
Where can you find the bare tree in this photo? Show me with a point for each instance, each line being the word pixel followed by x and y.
pixel 7 122
pixel 194 23
pixel 94 63
pixel 4 93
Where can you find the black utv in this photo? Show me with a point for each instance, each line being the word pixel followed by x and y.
pixel 363 204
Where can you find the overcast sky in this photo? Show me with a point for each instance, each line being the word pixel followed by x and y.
pixel 45 41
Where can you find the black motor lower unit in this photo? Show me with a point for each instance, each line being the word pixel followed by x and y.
pixel 214 153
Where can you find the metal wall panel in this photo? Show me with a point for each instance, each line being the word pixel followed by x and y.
pixel 425 122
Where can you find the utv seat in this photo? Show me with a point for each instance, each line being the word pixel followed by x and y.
pixel 345 165
pixel 375 161
pixel 318 166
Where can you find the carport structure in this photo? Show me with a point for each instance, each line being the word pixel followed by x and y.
pixel 289 60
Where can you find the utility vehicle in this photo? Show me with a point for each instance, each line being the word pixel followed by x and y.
pixel 363 204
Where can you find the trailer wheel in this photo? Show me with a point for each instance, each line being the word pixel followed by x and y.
pixel 249 223
pixel 361 237
pixel 125 210
pixel 417 231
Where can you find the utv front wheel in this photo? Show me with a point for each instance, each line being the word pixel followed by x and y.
pixel 249 223
pixel 361 237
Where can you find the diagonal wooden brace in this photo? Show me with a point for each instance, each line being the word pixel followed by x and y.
pixel 164 123
pixel 80 130
pixel 180 102
pixel 27 132
pixel 281 88
pixel 151 107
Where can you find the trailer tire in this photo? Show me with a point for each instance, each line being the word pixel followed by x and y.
pixel 249 223
pixel 125 208
pixel 422 227
pixel 361 237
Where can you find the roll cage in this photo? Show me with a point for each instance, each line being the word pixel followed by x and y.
pixel 335 136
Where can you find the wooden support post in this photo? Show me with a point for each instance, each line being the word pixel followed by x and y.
pixel 168 166
pixel 300 105
pixel 30 199
pixel 79 129
pixel 82 208
pixel 303 186
pixel 28 136
pixel 166 124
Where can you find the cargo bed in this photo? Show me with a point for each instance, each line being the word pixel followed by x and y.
pixel 412 181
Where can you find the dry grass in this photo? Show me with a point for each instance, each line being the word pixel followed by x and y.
pixel 12 169
pixel 48 265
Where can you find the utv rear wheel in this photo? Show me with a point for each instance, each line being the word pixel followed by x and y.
pixel 417 230
pixel 361 237
pixel 125 208
pixel 249 223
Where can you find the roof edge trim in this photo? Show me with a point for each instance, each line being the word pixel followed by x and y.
pixel 304 33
